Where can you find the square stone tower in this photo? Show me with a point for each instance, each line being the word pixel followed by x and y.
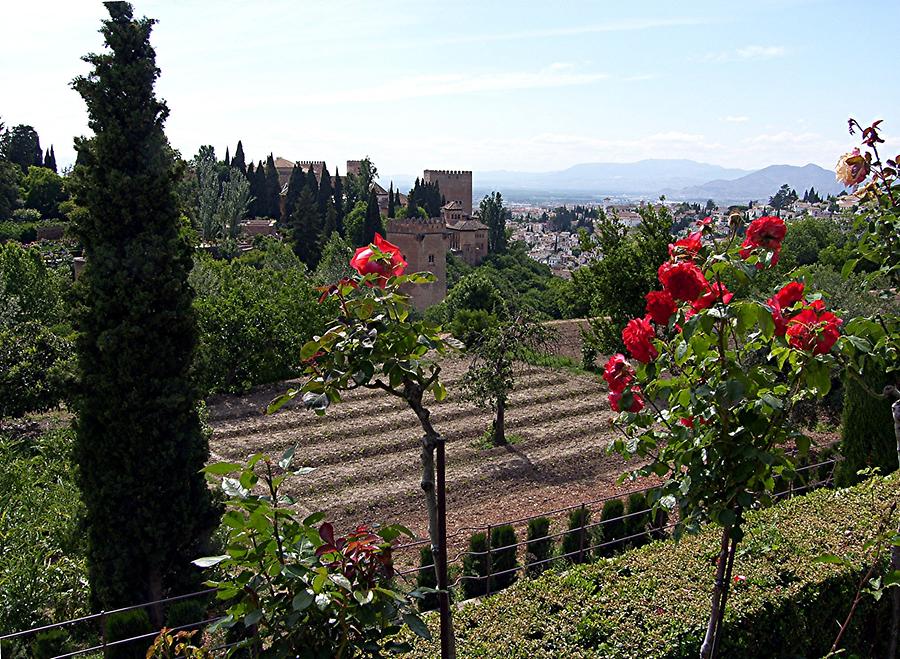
pixel 424 244
pixel 455 185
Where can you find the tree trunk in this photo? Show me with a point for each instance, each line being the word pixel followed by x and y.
pixel 436 525
pixel 500 424
pixel 706 650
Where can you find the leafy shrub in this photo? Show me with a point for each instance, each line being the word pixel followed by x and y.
pixel 867 430
pixel 51 643
pixel 578 539
pixel 252 322
pixel 540 546
pixel 125 625
pixel 426 578
pixel 26 216
pixel 638 518
pixel 35 365
pixel 21 232
pixel 652 602
pixel 503 557
pixel 469 326
pixel 42 566
pixel 612 527
pixel 185 612
pixel 475 566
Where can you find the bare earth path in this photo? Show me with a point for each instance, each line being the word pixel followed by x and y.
pixel 366 451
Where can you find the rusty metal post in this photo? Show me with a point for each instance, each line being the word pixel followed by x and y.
pixel 447 649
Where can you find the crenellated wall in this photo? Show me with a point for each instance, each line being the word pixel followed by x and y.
pixel 455 185
pixel 424 244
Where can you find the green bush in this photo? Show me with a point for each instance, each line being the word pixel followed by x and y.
pixel 577 540
pixel 185 612
pixel 653 602
pixel 503 557
pixel 867 430
pixel 124 625
pixel 426 578
pixel 611 528
pixel 26 215
pixel 638 518
pixel 20 232
pixel 540 546
pixel 51 643
pixel 469 326
pixel 475 565
pixel 252 322
pixel 43 576
pixel 35 365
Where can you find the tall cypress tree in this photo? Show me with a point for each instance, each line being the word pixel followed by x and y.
pixel 273 189
pixel 50 159
pixel 227 159
pixel 238 160
pixel 251 209
pixel 313 183
pixel 295 186
pixel 391 208
pixel 306 229
pixel 140 445
pixel 259 185
pixel 373 223
pixel 326 192
pixel 338 185
pixel 412 206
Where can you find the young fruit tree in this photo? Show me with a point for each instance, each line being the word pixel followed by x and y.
pixel 708 405
pixel 491 375
pixel 375 344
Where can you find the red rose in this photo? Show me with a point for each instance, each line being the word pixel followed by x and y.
pixel 687 421
pixel 683 280
pixel 366 261
pixel 618 373
pixel 705 222
pixel 636 336
pixel 715 291
pixel 778 317
pixel 637 403
pixel 814 329
pixel 686 246
pixel 766 232
pixel 660 306
pixel 790 294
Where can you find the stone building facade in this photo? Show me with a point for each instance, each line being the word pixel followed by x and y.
pixel 424 244
pixel 455 185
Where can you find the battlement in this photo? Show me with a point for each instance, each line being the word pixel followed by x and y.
pixel 416 226
pixel 449 172
pixel 309 163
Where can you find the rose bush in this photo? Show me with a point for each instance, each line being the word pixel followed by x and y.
pixel 708 402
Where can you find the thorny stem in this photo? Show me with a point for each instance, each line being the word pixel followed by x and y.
pixel 273 491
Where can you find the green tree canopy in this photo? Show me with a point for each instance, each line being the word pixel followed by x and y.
pixel 22 145
pixel 43 190
pixel 495 216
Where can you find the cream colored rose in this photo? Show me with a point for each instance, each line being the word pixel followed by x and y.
pixel 852 168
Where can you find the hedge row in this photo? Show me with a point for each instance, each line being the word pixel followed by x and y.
pixel 653 601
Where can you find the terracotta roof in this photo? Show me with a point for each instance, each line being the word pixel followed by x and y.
pixel 283 162
pixel 467 225
pixel 452 206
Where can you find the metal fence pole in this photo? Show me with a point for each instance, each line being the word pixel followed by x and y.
pixel 489 560
pixel 581 534
pixel 103 631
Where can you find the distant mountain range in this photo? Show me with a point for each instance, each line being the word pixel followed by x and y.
pixel 686 180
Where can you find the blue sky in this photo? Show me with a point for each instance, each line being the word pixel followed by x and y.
pixel 481 85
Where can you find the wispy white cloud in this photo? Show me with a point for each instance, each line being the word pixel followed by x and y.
pixel 745 54
pixel 736 119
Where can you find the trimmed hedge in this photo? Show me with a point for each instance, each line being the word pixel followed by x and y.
pixel 653 602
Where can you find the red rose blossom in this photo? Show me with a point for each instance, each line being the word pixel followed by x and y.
pixel 687 421
pixel 790 294
pixel 365 262
pixel 814 329
pixel 705 222
pixel 618 373
pixel 660 306
pixel 636 336
pixel 688 247
pixel 637 403
pixel 715 291
pixel 683 280
pixel 766 232
pixel 778 318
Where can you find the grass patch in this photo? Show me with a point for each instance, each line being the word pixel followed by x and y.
pixel 485 440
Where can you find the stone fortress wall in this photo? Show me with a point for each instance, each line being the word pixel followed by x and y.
pixel 455 185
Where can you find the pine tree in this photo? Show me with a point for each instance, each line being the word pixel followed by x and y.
pixel 373 219
pixel 392 211
pixel 305 229
pixel 338 185
pixel 227 160
pixel 296 184
pixel 50 159
pixel 273 189
pixel 238 161
pixel 140 445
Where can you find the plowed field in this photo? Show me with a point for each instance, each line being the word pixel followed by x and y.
pixel 366 450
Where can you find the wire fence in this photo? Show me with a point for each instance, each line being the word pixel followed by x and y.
pixel 92 629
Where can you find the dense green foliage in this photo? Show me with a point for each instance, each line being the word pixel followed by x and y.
pixel 125 625
pixel 42 567
pixel 425 578
pixel 21 145
pixel 652 602
pixel 475 566
pixel 43 189
pixel 495 216
pixel 578 539
pixel 612 527
pixel 253 320
pixel 140 444
pixel 637 519
pixel 503 557
pixel 867 429
pixel 540 547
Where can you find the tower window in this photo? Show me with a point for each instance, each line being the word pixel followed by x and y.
pixel 431 258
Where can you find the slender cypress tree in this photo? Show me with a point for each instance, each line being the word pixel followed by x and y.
pixel 329 225
pixel 373 223
pixel 313 183
pixel 296 184
pixel 338 185
pixel 251 174
pixel 392 210
pixel 273 189
pixel 306 229
pixel 140 445
pixel 227 159
pixel 261 194
pixel 239 161
pixel 326 192
pixel 412 205
pixel 50 159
